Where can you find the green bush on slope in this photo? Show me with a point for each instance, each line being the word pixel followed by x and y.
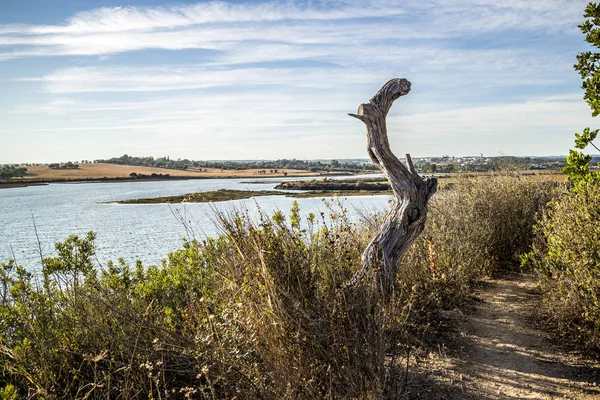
pixel 567 257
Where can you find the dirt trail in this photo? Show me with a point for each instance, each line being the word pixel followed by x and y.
pixel 501 354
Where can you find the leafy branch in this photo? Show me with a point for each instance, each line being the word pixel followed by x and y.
pixel 588 66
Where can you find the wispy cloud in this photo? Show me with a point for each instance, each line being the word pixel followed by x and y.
pixel 81 80
pixel 216 25
pixel 444 69
pixel 124 19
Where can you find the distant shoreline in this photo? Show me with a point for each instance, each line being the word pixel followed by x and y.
pixel 44 182
pixel 101 172
pixel 229 194
pixel 107 173
pixel 11 185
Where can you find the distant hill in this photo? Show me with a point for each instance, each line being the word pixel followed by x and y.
pixel 185 164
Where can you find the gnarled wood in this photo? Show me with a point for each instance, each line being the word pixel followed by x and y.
pixel 406 219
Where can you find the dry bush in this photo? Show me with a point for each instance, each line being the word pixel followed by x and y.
pixel 476 228
pixel 315 335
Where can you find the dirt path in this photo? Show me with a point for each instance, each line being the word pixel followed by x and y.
pixel 501 354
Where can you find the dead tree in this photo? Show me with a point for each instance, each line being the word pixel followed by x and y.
pixel 406 219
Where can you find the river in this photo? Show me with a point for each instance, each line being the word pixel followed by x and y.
pixel 147 232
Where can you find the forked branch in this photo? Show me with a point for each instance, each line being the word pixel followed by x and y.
pixel 406 219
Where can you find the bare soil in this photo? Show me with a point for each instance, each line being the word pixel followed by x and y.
pixel 499 350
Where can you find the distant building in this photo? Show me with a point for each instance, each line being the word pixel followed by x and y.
pixel 538 166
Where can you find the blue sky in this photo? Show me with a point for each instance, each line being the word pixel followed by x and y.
pixel 247 80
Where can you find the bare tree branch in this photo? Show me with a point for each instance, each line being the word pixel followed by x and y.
pixel 406 219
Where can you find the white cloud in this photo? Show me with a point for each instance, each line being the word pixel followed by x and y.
pixel 215 25
pixel 121 19
pixel 428 66
pixel 538 126
pixel 85 80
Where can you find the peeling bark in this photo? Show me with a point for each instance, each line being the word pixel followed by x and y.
pixel 406 219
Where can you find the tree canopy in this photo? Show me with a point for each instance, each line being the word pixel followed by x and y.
pixel 10 171
pixel 588 66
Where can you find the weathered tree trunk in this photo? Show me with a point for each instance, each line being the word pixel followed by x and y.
pixel 406 219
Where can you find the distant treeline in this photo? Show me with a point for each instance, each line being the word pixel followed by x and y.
pixel 502 163
pixel 10 171
pixel 444 164
pixel 135 175
pixel 67 165
pixel 184 164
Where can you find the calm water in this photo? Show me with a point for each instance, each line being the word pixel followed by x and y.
pixel 146 231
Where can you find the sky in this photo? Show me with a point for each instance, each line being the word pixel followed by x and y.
pixel 90 79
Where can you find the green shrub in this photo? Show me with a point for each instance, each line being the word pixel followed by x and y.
pixel 567 257
pixel 9 392
pixel 75 330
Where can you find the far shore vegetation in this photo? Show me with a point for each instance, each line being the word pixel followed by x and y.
pixel 443 164
pixel 328 187
pixel 67 165
pixel 88 171
pixel 227 194
pixel 272 166
pixel 127 168
pixel 10 171
pixel 205 197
